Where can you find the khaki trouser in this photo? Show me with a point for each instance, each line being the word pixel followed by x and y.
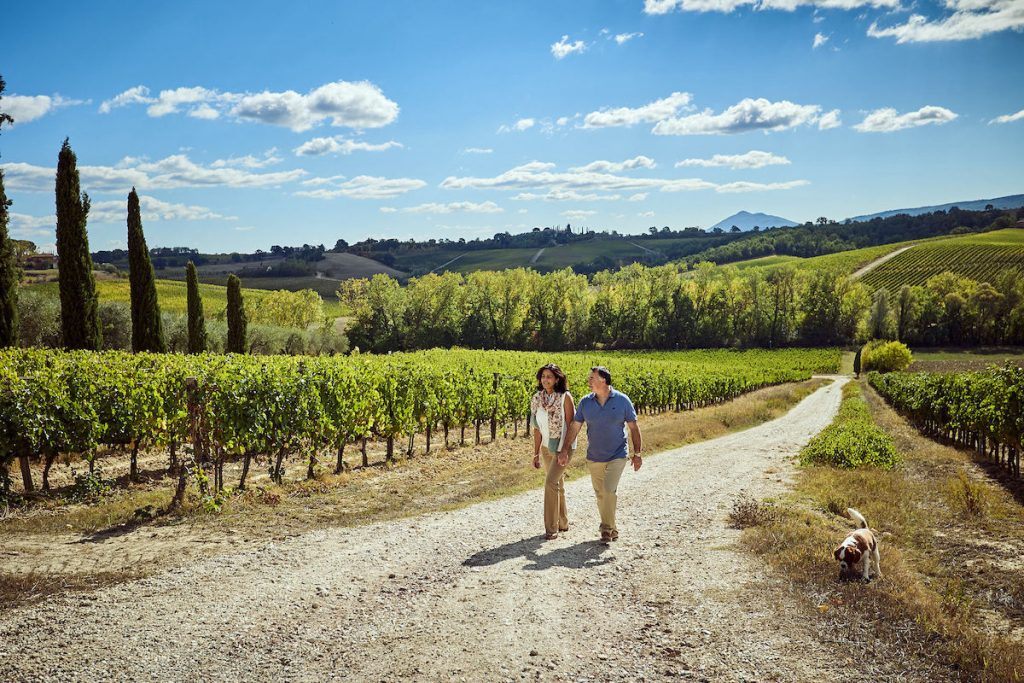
pixel 555 516
pixel 605 478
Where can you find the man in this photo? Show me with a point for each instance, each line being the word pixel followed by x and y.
pixel 607 413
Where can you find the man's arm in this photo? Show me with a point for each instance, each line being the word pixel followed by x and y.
pixel 638 444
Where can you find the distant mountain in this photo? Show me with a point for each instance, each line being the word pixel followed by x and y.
pixel 1013 201
pixel 745 220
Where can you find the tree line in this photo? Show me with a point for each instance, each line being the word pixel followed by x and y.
pixel 668 307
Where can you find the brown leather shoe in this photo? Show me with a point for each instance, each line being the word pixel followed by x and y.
pixel 606 536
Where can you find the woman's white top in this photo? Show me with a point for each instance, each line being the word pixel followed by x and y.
pixel 541 416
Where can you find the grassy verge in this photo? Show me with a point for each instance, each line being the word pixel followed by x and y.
pixel 951 547
pixel 441 481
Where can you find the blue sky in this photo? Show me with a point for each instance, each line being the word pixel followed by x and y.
pixel 244 126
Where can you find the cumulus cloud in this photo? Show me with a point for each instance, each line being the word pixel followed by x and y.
pixel 269 158
pixel 563 47
pixel 617 166
pixel 727 6
pixel 137 95
pixel 25 108
pixel 450 207
pixel 172 172
pixel 341 145
pixel 970 19
pixel 654 112
pixel 590 184
pixel 829 120
pixel 518 126
pixel 566 196
pixel 747 115
pixel 343 103
pixel 1008 118
pixel 477 150
pixel 578 213
pixel 24 226
pixel 638 197
pixel 152 209
pixel 752 159
pixel 645 214
pixel 363 187
pixel 819 40
pixel 888 120
pixel 623 38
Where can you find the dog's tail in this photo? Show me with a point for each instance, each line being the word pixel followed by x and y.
pixel 859 518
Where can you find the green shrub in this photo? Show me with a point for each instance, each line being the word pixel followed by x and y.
pixel 885 356
pixel 38 320
pixel 853 439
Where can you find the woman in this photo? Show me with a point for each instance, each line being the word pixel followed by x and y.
pixel 551 411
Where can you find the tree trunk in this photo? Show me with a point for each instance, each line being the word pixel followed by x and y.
pixel 245 471
pixel 133 473
pixel 26 473
pixel 50 457
pixel 310 473
pixel 278 472
pixel 340 466
pixel 428 437
pixel 362 449
pixel 412 443
pixel 391 449
pixel 173 456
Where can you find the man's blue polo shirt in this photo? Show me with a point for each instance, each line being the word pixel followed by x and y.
pixel 606 425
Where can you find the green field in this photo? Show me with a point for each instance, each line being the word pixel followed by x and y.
pixel 172 297
pixel 980 257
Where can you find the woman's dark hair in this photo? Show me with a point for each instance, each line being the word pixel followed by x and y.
pixel 603 372
pixel 561 384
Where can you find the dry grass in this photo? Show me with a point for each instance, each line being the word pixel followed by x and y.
pixel 951 545
pixel 445 479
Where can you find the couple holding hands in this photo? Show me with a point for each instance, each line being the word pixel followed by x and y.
pixel 608 414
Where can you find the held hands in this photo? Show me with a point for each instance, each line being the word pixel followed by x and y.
pixel 563 458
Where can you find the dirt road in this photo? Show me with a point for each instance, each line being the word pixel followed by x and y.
pixel 473 594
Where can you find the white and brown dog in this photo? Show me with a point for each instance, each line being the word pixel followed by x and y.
pixel 861 546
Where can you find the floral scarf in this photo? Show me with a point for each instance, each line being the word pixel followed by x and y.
pixel 554 405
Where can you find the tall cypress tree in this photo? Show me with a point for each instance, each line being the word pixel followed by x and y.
pixel 79 316
pixel 147 329
pixel 196 320
pixel 8 264
pixel 237 322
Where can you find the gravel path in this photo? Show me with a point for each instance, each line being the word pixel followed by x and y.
pixel 879 261
pixel 474 594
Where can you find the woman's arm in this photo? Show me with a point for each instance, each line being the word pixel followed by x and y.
pixel 536 444
pixel 569 408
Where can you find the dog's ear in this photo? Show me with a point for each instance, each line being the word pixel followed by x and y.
pixel 853 555
pixel 837 553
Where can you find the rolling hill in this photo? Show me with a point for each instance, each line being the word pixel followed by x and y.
pixel 744 220
pixel 1013 201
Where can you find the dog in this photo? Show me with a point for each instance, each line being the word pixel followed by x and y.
pixel 861 546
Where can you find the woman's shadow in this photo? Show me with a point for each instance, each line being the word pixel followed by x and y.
pixel 585 555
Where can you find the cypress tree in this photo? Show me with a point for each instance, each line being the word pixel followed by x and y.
pixel 147 329
pixel 237 322
pixel 79 317
pixel 8 264
pixel 196 321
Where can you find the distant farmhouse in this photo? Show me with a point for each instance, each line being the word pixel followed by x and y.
pixel 39 261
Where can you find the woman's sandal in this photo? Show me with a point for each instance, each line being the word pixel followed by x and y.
pixel 551 536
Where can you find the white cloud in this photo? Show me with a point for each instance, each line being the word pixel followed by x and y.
pixel 727 6
pixel 1008 118
pixel 248 161
pixel 656 111
pixel 638 197
pixel 451 207
pixel 566 196
pixel 477 150
pixel 970 19
pixel 175 171
pixel 578 213
pixel 747 115
pixel 617 166
pixel 152 209
pixel 752 159
pixel 645 214
pixel 244 228
pixel 623 38
pixel 343 103
pixel 889 120
pixel 819 40
pixel 24 226
pixel 137 95
pixel 588 184
pixel 341 145
pixel 519 126
pixel 523 211
pixel 25 108
pixel 829 120
pixel 563 47
pixel 743 186
pixel 366 187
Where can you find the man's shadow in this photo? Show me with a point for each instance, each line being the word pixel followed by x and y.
pixel 585 555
